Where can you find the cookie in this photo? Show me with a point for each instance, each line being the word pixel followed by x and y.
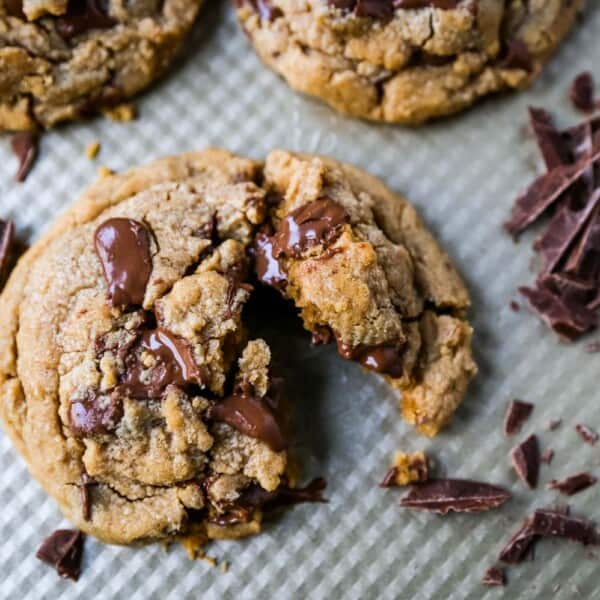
pixel 129 378
pixel 405 61
pixel 65 59
pixel 365 273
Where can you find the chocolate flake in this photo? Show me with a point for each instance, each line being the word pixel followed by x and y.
pixel 547 456
pixel 460 495
pixel 589 436
pixel 390 478
pixel 554 424
pixel 582 92
pixel 516 414
pixel 63 550
pixel 574 484
pixel 25 145
pixel 526 460
pixel 494 576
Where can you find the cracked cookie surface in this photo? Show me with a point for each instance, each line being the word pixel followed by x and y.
pixel 405 62
pixel 137 395
pixel 61 60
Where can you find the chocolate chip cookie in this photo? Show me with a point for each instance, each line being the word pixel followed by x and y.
pixel 129 378
pixel 64 59
pixel 405 61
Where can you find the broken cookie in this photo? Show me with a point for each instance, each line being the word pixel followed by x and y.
pixel 407 468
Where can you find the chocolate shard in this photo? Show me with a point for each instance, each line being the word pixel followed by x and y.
pixel 588 435
pixel 63 550
pixel 123 247
pixel 494 576
pixel 574 484
pixel 544 192
pixel 520 545
pixel 526 460
pixel 86 501
pixel 547 456
pixel 390 478
pixel 552 523
pixel 25 145
pixel 550 141
pixel 517 413
pixel 554 424
pixel 444 495
pixel 582 92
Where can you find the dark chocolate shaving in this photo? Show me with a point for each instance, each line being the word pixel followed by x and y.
pixel 494 576
pixel 574 484
pixel 7 231
pixel 63 550
pixel 516 414
pixel 390 478
pixel 582 92
pixel 25 146
pixel 526 460
pixel 547 456
pixel 460 495
pixel 588 435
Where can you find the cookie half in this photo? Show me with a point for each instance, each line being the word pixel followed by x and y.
pixel 129 378
pixel 65 59
pixel 405 61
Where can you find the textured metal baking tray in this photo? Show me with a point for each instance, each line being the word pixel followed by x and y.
pixel 462 174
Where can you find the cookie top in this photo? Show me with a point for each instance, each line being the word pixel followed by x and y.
pixel 405 61
pixel 65 59
pixel 137 396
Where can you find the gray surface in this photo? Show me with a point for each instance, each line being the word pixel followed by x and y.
pixel 462 174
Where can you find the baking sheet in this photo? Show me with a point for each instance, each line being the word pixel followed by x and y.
pixel 462 174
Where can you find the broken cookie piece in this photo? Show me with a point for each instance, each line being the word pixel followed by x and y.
pixel 407 468
pixel 361 268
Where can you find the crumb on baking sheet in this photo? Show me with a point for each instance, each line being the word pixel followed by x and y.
pixel 93 149
pixel 122 113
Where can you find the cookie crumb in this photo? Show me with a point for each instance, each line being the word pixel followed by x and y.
pixel 224 567
pixel 105 172
pixel 407 468
pixel 122 113
pixel 92 150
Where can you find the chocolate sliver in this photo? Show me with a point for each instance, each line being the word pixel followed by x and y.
pixel 123 247
pixel 174 364
pixel 252 416
pixel 582 92
pixel 544 191
pixel 551 523
pixel 317 222
pixel 25 146
pixel 494 576
pixel 516 414
pixel 526 460
pixel 83 16
pixel 390 478
pixel 588 435
pixel 63 550
pixel 460 495
pixel 268 268
pixel 547 456
pixel 97 414
pixel 574 484
pixel 551 143
pixel 584 260
pixel 7 231
pixel 86 501
pixel 520 546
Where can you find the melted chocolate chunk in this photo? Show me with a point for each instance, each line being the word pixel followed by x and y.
pixel 268 268
pixel 516 414
pixel 265 9
pixel 315 223
pixel 96 414
pixel 574 484
pixel 589 436
pixel 376 9
pixel 14 8
pixel 494 576
pixel 383 10
pixel 83 16
pixel 517 56
pixel 526 460
pixel 444 495
pixel 123 247
pixel 254 497
pixel 385 359
pixel 443 4
pixel 582 92
pixel 63 550
pixel 253 416
pixel 25 146
pixel 7 231
pixel 174 364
